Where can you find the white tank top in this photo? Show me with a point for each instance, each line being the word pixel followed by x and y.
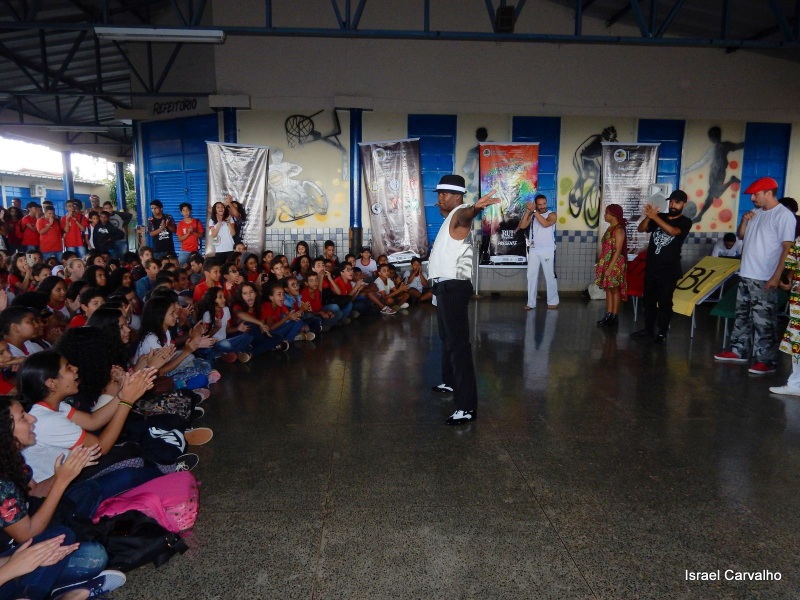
pixel 543 238
pixel 451 258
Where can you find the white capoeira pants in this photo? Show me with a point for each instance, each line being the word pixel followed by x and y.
pixel 546 260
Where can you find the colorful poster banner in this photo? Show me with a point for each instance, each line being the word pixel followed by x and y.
pixel 628 170
pixel 241 173
pixel 512 170
pixel 392 178
pixel 700 281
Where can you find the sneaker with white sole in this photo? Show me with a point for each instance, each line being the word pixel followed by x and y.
pixel 299 337
pixel 203 393
pixel 309 336
pixel 461 417
pixel 785 390
pixel 403 306
pixel 761 368
pixel 186 462
pixel 728 356
pixel 442 388
pixel 388 310
pixel 100 585
pixel 244 357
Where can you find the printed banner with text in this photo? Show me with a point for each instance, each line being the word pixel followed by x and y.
pixel 628 170
pixel 392 178
pixel 240 172
pixel 512 170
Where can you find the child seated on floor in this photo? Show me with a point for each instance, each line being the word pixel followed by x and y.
pixel 211 271
pixel 231 279
pixel 417 283
pixel 277 271
pixel 294 302
pixel 312 297
pixel 160 314
pixel 280 319
pixel 18 326
pixel 213 312
pixel 90 300
pixel 248 309
pixel 388 293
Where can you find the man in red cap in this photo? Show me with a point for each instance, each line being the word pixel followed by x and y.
pixel 768 233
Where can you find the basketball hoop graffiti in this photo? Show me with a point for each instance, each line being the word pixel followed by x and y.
pixel 289 199
pixel 300 131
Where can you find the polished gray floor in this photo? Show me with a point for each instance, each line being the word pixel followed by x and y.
pixel 600 467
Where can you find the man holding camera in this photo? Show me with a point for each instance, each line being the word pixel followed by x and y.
pixel 541 239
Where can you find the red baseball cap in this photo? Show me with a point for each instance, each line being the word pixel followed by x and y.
pixel 762 185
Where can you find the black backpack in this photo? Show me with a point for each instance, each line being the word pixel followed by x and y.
pixel 133 539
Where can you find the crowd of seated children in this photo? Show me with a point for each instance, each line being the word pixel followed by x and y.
pixel 98 345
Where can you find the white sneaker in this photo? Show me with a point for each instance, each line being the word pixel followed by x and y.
pixel 785 390
pixel 403 306
pixel 388 310
pixel 309 336
pixel 299 337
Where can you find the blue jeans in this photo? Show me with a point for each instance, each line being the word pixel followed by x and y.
pixel 338 314
pixel 237 343
pixel 289 330
pixel 84 497
pixel 120 248
pixel 262 343
pixel 79 250
pixel 183 256
pixel 86 562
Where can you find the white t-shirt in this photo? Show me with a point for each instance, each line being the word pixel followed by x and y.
pixel 543 238
pixel 30 347
pixel 763 236
pixel 384 287
pixel 224 240
pixel 416 284
pixel 721 250
pixel 222 332
pixel 369 269
pixel 55 434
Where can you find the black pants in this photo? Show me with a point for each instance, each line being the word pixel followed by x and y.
pixel 659 286
pixel 458 371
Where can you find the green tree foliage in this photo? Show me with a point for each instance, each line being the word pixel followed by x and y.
pixel 130 191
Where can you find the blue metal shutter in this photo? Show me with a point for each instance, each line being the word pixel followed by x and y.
pixel 766 153
pixel 669 134
pixel 546 131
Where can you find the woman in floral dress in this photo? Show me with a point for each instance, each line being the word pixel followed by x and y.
pixel 612 264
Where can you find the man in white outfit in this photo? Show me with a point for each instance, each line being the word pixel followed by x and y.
pixel 541 237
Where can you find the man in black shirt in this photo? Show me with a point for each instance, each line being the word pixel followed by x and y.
pixel 105 234
pixel 160 227
pixel 668 232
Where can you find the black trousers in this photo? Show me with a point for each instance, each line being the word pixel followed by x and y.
pixel 458 371
pixel 659 286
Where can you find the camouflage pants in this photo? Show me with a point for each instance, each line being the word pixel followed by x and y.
pixel 756 319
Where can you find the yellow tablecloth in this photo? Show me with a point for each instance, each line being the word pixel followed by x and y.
pixel 700 280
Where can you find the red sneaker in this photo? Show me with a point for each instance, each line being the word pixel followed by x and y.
pixel 761 368
pixel 228 357
pixel 729 356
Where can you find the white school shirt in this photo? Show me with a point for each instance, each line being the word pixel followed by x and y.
pixel 55 434
pixel 222 332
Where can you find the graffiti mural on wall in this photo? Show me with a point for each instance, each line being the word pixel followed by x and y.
pixel 716 157
pixel 291 199
pixel 584 197
pixel 300 130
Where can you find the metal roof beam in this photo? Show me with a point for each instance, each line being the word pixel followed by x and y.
pixel 71 54
pixel 618 15
pixel 12 10
pixel 359 12
pixel 670 17
pixel 168 66
pixel 639 16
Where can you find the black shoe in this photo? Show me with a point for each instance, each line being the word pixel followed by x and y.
pixel 605 319
pixel 642 333
pixel 660 338
pixel 461 417
pixel 442 388
pixel 612 321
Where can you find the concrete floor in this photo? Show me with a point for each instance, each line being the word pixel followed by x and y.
pixel 600 467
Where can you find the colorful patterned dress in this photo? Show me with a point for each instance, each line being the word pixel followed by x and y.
pixel 791 337
pixel 616 276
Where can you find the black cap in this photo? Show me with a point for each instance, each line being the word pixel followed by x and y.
pixel 678 196
pixel 453 184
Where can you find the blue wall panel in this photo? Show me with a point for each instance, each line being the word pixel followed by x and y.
pixel 546 131
pixel 668 134
pixel 766 153
pixel 176 164
pixel 437 148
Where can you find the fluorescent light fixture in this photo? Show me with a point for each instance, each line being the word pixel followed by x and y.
pixel 78 129
pixel 160 34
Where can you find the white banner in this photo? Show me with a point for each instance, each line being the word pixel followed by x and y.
pixel 628 170
pixel 240 172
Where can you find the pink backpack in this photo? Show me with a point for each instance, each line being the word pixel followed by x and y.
pixel 172 500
